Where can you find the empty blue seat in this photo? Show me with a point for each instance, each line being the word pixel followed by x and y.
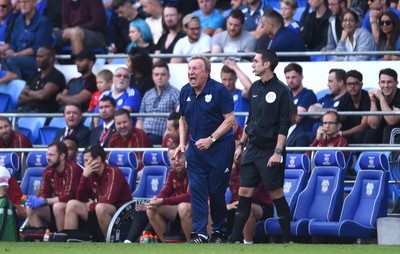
pixel 13 88
pixel 322 198
pixel 58 122
pixel 10 161
pixel 297 170
pixel 32 124
pixel 366 202
pixel 127 162
pixel 36 162
pixel 5 102
pixel 151 181
pixel 47 134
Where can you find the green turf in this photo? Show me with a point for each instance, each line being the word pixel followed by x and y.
pixel 107 248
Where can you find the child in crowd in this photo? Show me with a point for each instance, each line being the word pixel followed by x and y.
pixel 104 80
pixel 288 9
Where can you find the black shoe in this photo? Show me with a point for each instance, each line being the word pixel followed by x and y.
pixel 198 239
pixel 217 237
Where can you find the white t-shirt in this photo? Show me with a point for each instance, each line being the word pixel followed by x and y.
pixel 203 45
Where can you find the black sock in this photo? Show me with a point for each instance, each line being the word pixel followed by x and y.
pixel 241 216
pixel 283 210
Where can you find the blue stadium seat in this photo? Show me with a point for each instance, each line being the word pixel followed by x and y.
pixel 36 162
pixel 32 124
pixel 322 93
pixel 299 12
pixel 151 181
pixel 365 203
pixel 58 122
pixel 47 134
pixel 297 170
pixel 156 157
pixel 13 88
pixel 322 198
pixel 10 161
pixel 5 102
pixel 127 162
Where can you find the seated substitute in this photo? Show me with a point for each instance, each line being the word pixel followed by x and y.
pixel 60 182
pixel 167 204
pixel 102 190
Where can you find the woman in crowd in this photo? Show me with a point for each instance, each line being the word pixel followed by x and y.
pixel 141 37
pixel 389 35
pixel 354 38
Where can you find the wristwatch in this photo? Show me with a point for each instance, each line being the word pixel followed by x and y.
pixel 278 150
pixel 242 144
pixel 212 138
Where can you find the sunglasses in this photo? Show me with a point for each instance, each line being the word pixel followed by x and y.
pixel 385 22
pixel 3 6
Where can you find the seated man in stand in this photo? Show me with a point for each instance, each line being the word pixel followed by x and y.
pixel 102 190
pixel 329 134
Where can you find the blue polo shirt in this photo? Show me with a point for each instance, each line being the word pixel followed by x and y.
pixel 252 19
pixel 213 21
pixel 305 99
pixel 328 102
pixel 240 105
pixel 204 113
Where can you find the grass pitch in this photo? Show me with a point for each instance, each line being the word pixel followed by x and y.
pixel 117 248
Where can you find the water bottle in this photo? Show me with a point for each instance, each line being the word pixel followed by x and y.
pixel 46 237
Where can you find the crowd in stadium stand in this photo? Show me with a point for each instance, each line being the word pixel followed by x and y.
pixel 34 32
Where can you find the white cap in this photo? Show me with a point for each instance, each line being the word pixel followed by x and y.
pixel 4 176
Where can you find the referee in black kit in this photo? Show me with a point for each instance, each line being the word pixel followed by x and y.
pixel 264 138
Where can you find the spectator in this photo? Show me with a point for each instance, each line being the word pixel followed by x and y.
pixel 356 99
pixel 127 13
pixel 74 125
pixel 337 8
pixel 171 23
pixel 328 135
pixel 102 190
pixel 154 10
pixel 314 31
pixel 385 99
pixel 60 182
pixel 128 135
pixel 72 144
pixel 296 137
pixel 288 9
pixel 303 98
pixel 39 94
pixel 173 31
pixel 140 64
pixel 102 134
pixel 52 11
pixel 79 90
pixel 141 36
pixel 83 25
pixel 10 138
pixel 171 136
pixel 354 38
pixel 254 10
pixel 167 205
pixel 31 30
pixel 196 42
pixel 163 98
pixel 229 77
pixel 234 39
pixel 104 81
pixel 235 4
pixel 13 192
pixel 210 18
pixel 376 8
pixel 389 35
pixel 7 21
pixel 282 39
pixel 337 87
pixel 125 97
